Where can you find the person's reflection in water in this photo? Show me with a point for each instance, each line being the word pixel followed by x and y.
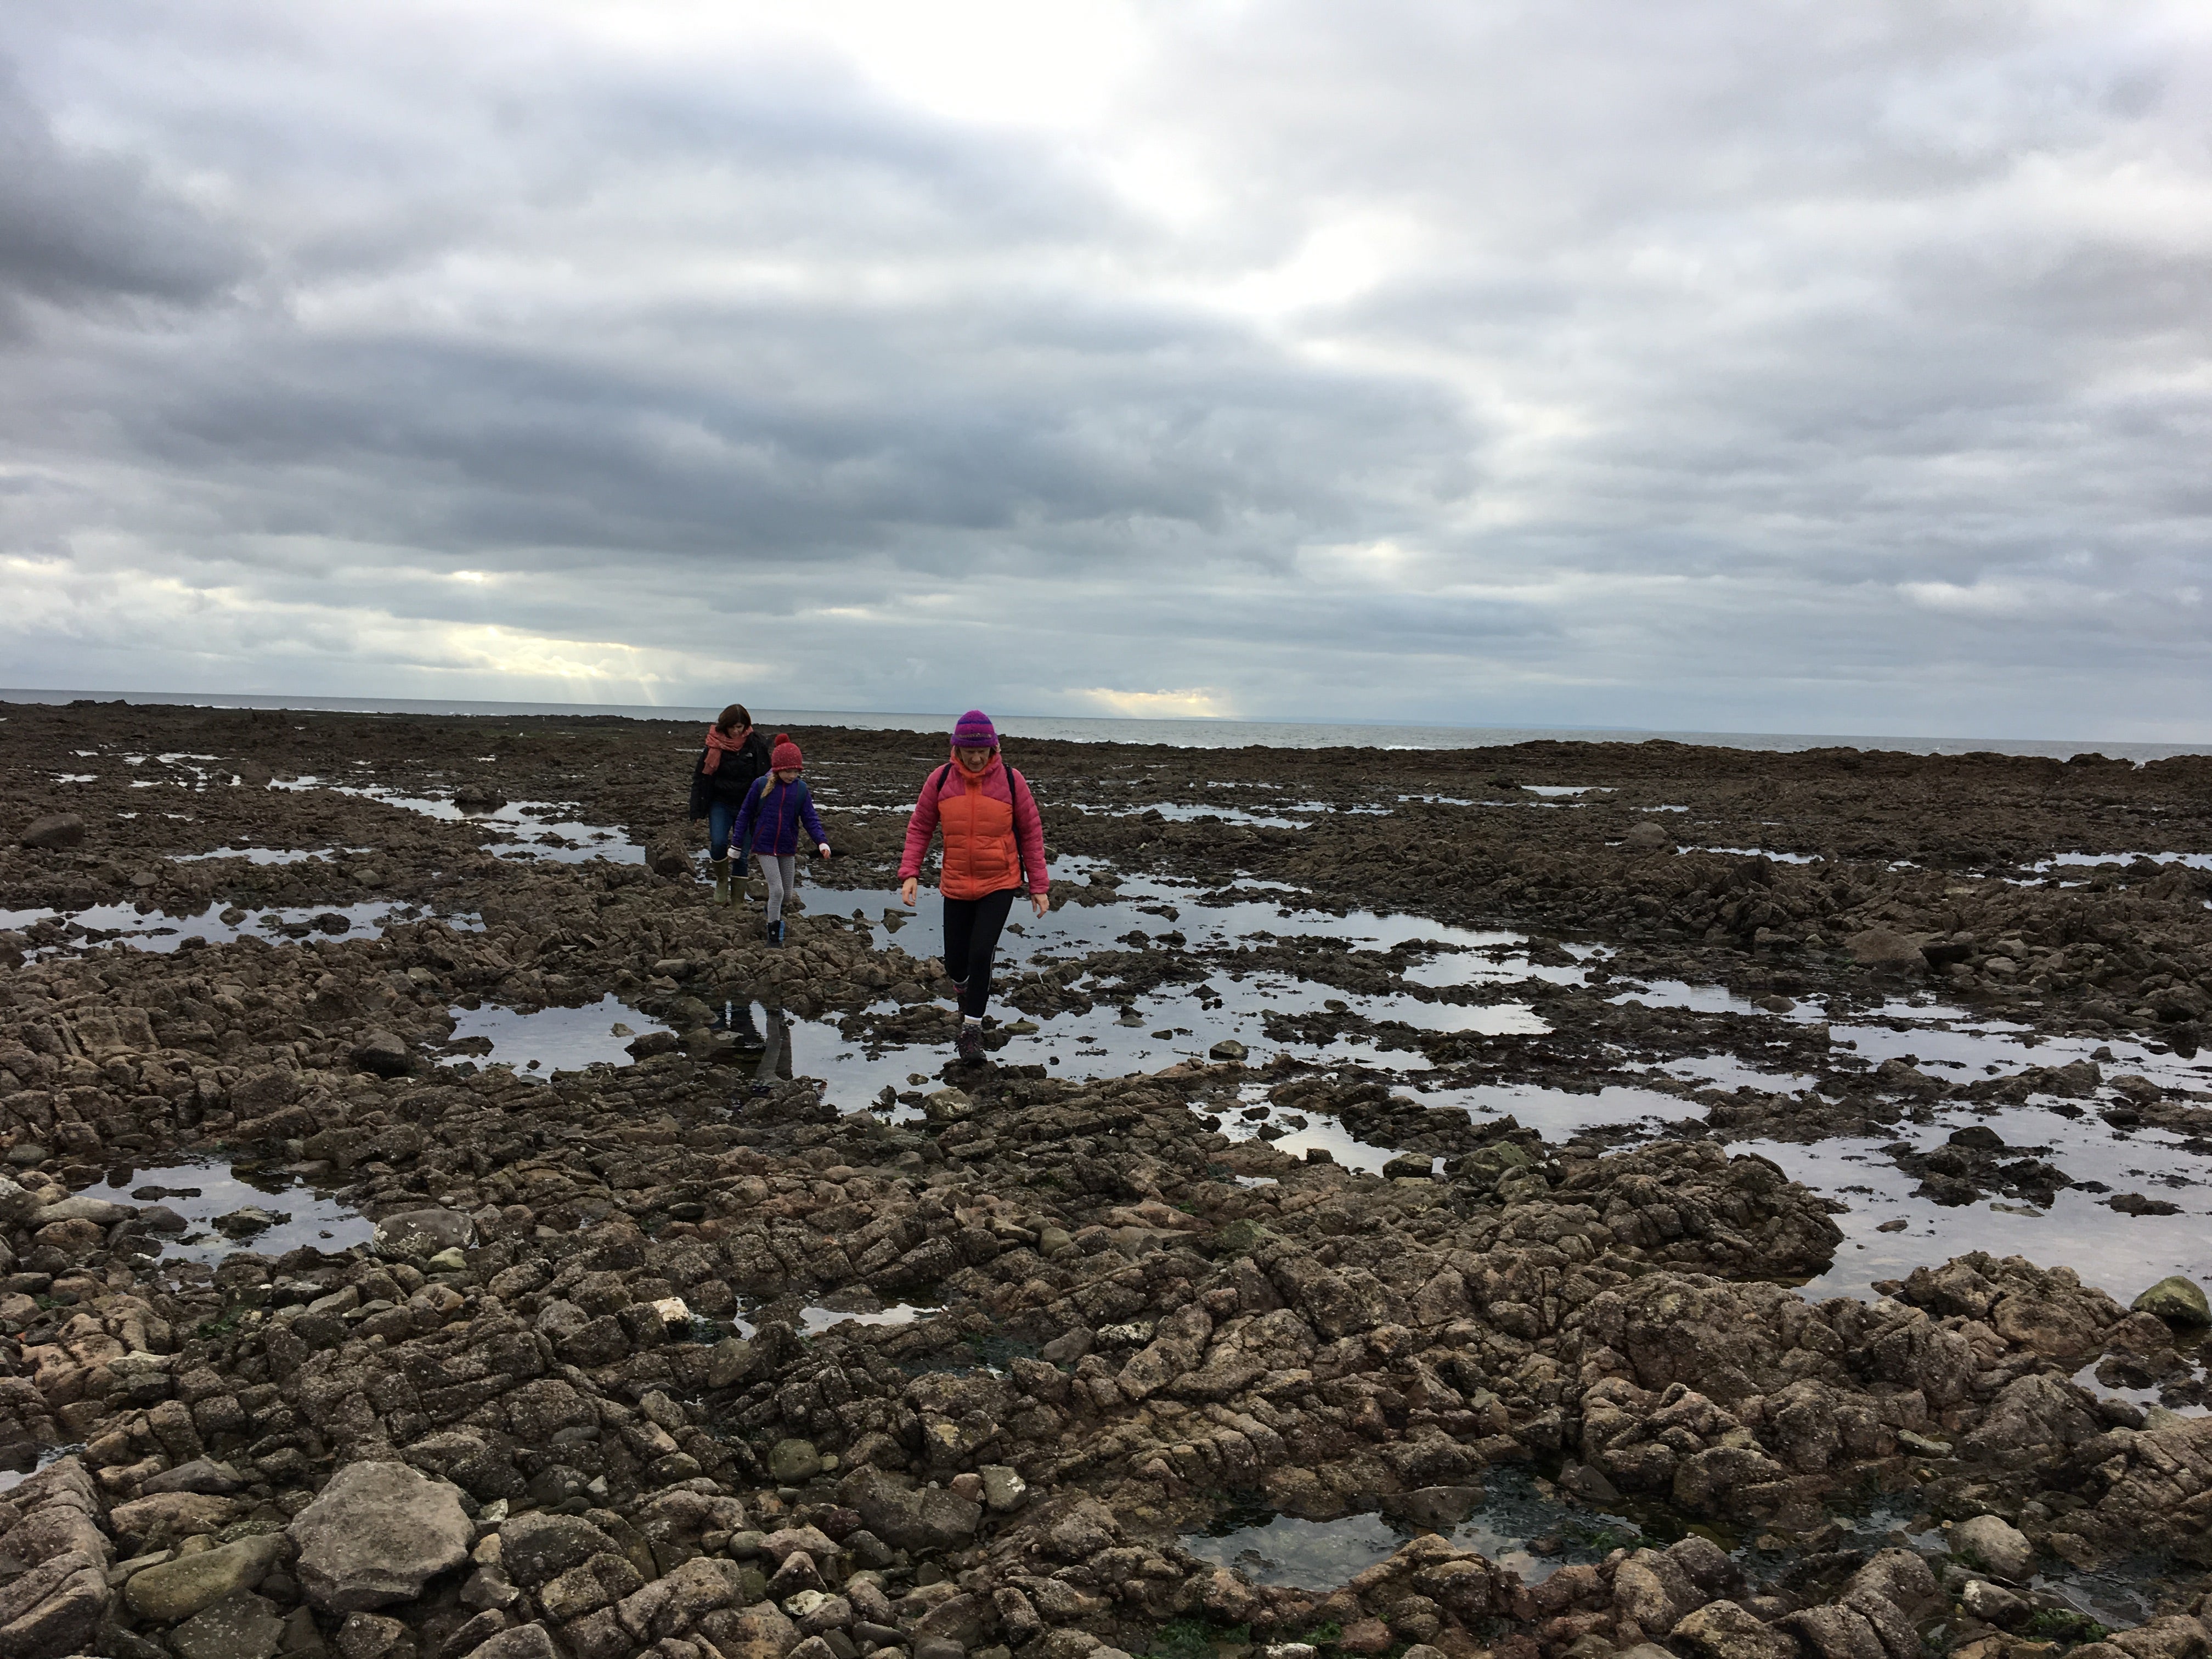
pixel 775 1057
pixel 737 1021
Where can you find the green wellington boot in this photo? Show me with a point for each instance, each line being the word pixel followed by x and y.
pixel 721 880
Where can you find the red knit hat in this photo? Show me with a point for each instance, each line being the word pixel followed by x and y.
pixel 786 757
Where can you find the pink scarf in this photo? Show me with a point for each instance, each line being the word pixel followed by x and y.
pixel 720 743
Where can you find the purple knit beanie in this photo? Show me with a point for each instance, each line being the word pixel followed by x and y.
pixel 973 729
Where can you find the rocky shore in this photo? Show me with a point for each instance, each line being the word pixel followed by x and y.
pixel 772 1335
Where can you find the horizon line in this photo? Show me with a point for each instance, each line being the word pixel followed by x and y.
pixel 306 702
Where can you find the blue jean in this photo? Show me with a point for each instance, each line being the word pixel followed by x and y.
pixel 720 815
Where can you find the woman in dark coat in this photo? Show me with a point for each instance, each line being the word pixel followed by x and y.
pixel 735 757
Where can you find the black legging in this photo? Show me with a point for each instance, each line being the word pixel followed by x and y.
pixel 971 940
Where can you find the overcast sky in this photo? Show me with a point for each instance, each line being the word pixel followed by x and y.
pixel 1717 364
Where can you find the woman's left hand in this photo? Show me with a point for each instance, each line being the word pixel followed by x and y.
pixel 1040 903
pixel 822 848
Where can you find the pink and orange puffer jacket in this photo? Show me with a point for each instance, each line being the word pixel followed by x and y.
pixel 994 835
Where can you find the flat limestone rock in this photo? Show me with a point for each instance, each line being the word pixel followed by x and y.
pixel 375 1533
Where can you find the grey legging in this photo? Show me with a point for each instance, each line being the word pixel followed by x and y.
pixel 781 875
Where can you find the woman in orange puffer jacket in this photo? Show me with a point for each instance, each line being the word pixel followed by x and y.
pixel 994 847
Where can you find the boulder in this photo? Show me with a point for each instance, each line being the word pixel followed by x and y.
pixel 2177 1299
pixel 376 1534
pixel 201 1474
pixel 523 1641
pixel 1648 837
pixel 170 1515
pixel 243 1625
pixel 536 1548
pixel 55 1608
pixel 100 1212
pixel 947 1105
pixel 1996 1546
pixel 794 1462
pixel 54 831
pixel 424 1233
pixel 384 1053
pixel 1725 1630
pixel 761 1632
pixel 909 1520
pixel 1885 947
pixel 177 1589
pixel 17 1205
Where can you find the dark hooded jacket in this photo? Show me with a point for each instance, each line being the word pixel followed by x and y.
pixel 732 778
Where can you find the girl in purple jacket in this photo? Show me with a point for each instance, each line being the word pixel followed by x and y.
pixel 778 807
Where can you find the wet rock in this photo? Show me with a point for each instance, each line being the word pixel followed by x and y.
pixel 2177 1299
pixel 375 1533
pixel 1227 1049
pixel 53 832
pixel 1994 1545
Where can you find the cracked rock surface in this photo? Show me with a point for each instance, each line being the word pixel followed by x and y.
pixel 707 1350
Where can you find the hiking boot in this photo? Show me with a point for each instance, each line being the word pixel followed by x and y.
pixel 775 931
pixel 968 1045
pixel 721 869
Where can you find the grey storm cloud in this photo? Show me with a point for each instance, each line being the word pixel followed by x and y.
pixel 81 229
pixel 1715 365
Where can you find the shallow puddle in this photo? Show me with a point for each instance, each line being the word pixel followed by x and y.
pixel 202 1193
pixel 812 1320
pixel 1727 1071
pixel 1156 1028
pixel 549 1040
pixel 1507 1520
pixel 1313 1131
pixel 2194 861
pixel 1760 852
pixel 534 829
pixel 160 933
pixel 2121 1254
pixel 260 854
pixel 1560 1114
pixel 1927 1037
